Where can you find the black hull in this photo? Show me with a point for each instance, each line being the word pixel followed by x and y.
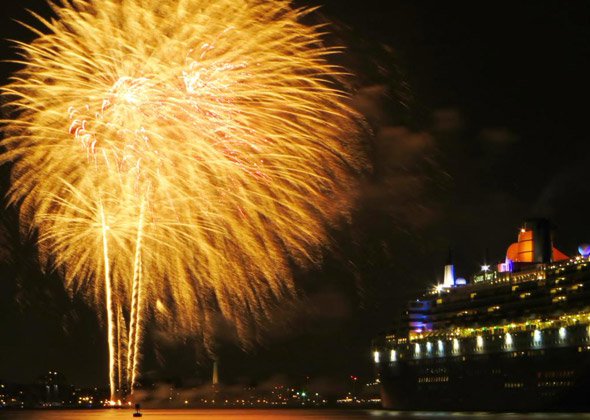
pixel 550 380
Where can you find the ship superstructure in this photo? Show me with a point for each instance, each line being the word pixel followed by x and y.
pixel 516 337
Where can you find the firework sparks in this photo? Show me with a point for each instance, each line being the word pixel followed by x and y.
pixel 185 152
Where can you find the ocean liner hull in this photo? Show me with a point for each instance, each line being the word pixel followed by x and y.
pixel 515 338
pixel 555 379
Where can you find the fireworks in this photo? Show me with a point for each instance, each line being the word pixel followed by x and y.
pixel 176 157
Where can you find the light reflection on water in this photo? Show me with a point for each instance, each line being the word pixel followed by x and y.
pixel 252 414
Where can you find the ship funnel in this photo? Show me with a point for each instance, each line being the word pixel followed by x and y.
pixel 535 245
pixel 542 240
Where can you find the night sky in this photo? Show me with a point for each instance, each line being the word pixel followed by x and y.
pixel 479 119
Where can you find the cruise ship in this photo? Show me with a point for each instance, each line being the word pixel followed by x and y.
pixel 515 337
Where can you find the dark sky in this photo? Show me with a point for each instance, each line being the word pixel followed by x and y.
pixel 480 119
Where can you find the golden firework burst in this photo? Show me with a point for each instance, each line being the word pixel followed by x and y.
pixel 180 152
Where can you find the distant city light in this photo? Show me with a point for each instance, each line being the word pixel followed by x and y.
pixel 393 356
pixel 376 356
pixel 429 347
pixel 479 341
pixel 441 346
pixel 455 345
pixel 508 339
pixel 485 267
pixel 562 333
pixel 439 288
pixel 417 348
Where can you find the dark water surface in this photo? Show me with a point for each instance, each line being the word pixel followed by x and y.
pixel 272 414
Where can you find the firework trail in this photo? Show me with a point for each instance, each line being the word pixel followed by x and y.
pixel 135 324
pixel 176 158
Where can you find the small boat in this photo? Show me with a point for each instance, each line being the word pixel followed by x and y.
pixel 137 413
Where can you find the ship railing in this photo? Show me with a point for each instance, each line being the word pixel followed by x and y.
pixel 538 271
pixel 515 341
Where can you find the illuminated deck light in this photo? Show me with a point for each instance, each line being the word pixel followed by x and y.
pixel 455 345
pixel 376 356
pixel 537 337
pixel 393 356
pixel 479 342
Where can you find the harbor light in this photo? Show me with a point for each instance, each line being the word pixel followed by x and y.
pixel 562 333
pixel 508 339
pixel 376 356
pixel 393 356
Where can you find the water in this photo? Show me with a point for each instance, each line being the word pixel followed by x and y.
pixel 252 414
